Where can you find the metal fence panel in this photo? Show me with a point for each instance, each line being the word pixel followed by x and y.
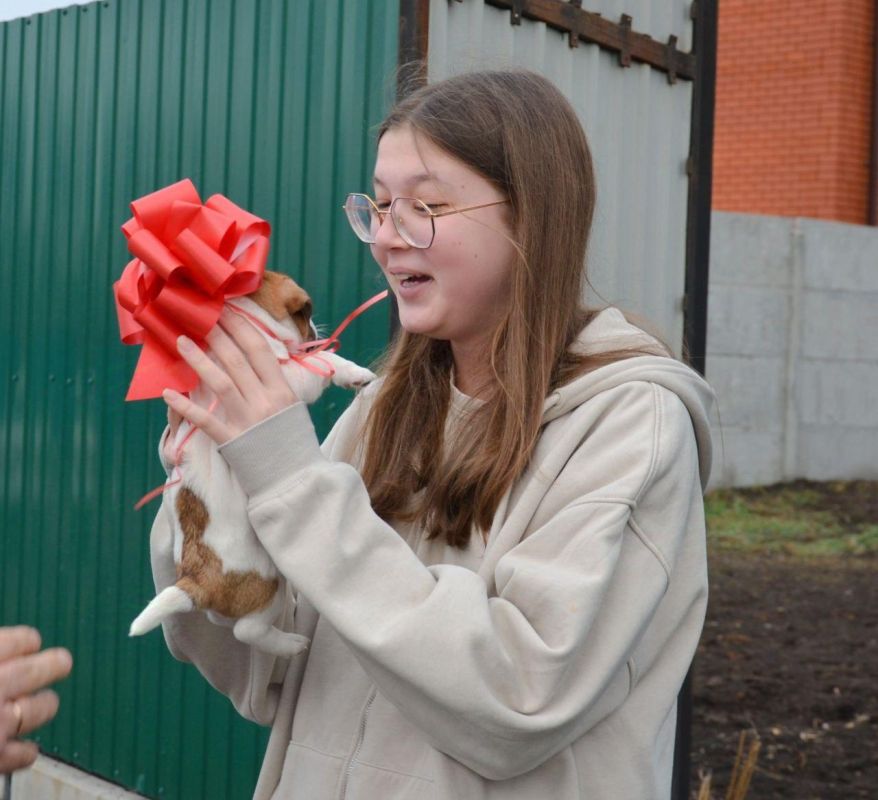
pixel 269 102
pixel 638 128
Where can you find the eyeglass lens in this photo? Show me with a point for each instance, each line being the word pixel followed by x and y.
pixel 411 217
pixel 413 221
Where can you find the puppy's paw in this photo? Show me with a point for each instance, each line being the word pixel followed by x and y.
pixel 295 645
pixel 355 377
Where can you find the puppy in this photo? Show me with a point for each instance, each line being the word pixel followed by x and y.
pixel 221 566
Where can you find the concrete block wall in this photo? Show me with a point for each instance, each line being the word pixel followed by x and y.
pixel 792 349
pixel 49 779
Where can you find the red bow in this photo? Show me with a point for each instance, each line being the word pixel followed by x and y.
pixel 189 258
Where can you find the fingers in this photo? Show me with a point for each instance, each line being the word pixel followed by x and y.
pixel 37 710
pixel 198 416
pixel 174 420
pixel 23 708
pixel 17 755
pixel 19 640
pixel 226 371
pixel 241 371
pixel 234 361
pixel 31 713
pixel 254 348
pixel 168 441
pixel 211 375
pixel 26 674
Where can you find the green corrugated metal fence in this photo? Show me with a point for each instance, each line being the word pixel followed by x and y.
pixel 271 102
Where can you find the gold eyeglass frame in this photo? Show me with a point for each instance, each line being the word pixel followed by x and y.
pixel 433 215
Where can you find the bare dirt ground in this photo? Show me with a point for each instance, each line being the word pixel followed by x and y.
pixel 790 650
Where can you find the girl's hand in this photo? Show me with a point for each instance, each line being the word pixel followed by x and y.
pixel 169 451
pixel 174 420
pixel 247 381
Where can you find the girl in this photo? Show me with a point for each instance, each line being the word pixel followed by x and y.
pixel 499 551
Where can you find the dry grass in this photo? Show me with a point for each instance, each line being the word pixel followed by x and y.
pixel 704 789
pixel 742 770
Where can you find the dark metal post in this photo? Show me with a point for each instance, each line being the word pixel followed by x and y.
pixel 683 742
pixel 700 165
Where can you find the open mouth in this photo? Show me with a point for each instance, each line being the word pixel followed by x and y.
pixel 413 279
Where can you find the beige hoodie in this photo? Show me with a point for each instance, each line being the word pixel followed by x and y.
pixel 545 664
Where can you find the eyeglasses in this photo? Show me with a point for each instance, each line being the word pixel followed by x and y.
pixel 415 221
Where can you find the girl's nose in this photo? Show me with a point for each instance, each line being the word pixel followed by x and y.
pixel 387 236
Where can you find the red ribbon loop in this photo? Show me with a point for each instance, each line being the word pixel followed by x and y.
pixel 189 258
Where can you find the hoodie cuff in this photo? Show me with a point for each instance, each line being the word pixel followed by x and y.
pixel 272 450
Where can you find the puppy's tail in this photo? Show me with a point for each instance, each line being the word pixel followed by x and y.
pixel 170 601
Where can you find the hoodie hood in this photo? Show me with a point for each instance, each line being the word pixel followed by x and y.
pixel 609 330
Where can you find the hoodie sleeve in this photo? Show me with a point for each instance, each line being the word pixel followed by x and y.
pixel 499 682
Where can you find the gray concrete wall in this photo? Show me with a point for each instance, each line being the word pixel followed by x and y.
pixel 638 128
pixel 792 349
pixel 49 779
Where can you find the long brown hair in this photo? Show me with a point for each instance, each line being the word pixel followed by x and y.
pixel 518 131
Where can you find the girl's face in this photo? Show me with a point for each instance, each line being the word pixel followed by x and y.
pixel 459 288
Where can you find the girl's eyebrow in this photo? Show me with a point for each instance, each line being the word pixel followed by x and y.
pixel 414 180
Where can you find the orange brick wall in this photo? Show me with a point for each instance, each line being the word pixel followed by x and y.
pixel 794 108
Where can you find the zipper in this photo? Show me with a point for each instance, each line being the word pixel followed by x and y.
pixel 360 736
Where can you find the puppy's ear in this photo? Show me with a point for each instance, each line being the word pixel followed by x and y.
pixel 280 296
pixel 298 306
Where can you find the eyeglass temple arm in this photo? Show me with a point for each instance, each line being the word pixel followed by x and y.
pixel 469 208
pixel 432 213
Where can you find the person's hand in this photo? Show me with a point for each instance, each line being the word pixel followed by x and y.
pixel 169 451
pixel 24 703
pixel 174 420
pixel 245 377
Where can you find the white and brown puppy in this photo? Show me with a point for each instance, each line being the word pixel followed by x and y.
pixel 221 566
